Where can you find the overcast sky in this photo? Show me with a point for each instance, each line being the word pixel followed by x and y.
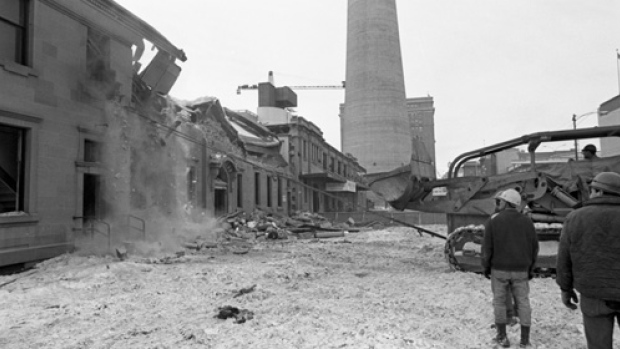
pixel 497 69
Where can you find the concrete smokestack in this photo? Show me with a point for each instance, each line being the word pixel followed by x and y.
pixel 375 127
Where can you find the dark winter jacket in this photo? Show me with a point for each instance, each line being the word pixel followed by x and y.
pixel 589 250
pixel 510 242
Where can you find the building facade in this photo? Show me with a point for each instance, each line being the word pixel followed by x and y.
pixel 322 179
pixel 92 147
pixel 421 113
pixel 326 180
pixel 610 146
pixel 60 60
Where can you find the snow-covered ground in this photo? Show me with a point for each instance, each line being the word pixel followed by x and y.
pixel 385 288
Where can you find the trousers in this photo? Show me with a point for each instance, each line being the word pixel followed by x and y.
pixel 598 321
pixel 516 282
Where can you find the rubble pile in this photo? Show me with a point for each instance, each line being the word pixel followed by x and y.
pixel 239 231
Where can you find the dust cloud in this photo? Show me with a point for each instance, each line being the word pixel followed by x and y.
pixel 144 201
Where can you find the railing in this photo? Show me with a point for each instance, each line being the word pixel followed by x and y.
pixel 141 229
pixel 92 228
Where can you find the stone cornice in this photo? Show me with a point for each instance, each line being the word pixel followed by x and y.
pixel 122 16
pixel 85 21
pixel 137 25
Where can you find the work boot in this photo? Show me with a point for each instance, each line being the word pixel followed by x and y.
pixel 501 338
pixel 525 337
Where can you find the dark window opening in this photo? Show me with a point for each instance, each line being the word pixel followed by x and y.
pixel 220 199
pixel 305 150
pixel 192 184
pixel 91 198
pixel 279 192
pixel 13 30
pixel 316 203
pixel 257 188
pixel 92 151
pixel 269 187
pixel 12 154
pixel 239 191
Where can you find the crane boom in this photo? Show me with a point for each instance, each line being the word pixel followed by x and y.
pixel 307 87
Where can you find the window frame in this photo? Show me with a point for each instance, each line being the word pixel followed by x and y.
pixel 30 125
pixel 22 54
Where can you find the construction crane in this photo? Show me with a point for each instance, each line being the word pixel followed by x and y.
pixel 319 87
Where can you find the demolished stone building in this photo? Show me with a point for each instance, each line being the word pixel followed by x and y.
pixel 61 65
pixel 91 146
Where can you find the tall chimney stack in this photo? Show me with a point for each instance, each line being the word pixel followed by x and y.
pixel 375 127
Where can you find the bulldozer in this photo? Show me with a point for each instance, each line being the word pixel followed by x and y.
pixel 549 192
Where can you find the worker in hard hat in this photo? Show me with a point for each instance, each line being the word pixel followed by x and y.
pixel 512 310
pixel 509 251
pixel 589 260
pixel 589 152
pixel 579 186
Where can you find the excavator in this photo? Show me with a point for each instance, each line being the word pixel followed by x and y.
pixel 549 192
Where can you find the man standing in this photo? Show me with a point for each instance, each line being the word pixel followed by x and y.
pixel 589 260
pixel 589 152
pixel 509 252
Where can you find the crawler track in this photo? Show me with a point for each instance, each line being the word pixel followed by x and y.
pixel 462 247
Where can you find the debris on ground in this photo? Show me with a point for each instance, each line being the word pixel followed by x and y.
pixel 239 231
pixel 121 253
pixel 243 291
pixel 240 315
pixel 387 289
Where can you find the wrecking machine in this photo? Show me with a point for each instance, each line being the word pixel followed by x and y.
pixel 549 192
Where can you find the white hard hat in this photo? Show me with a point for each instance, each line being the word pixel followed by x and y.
pixel 607 181
pixel 511 196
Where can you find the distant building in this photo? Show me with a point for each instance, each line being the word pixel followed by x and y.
pixel 471 168
pixel 609 115
pixel 510 160
pixel 324 179
pixel 421 112
pixel 335 177
pixel 239 167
